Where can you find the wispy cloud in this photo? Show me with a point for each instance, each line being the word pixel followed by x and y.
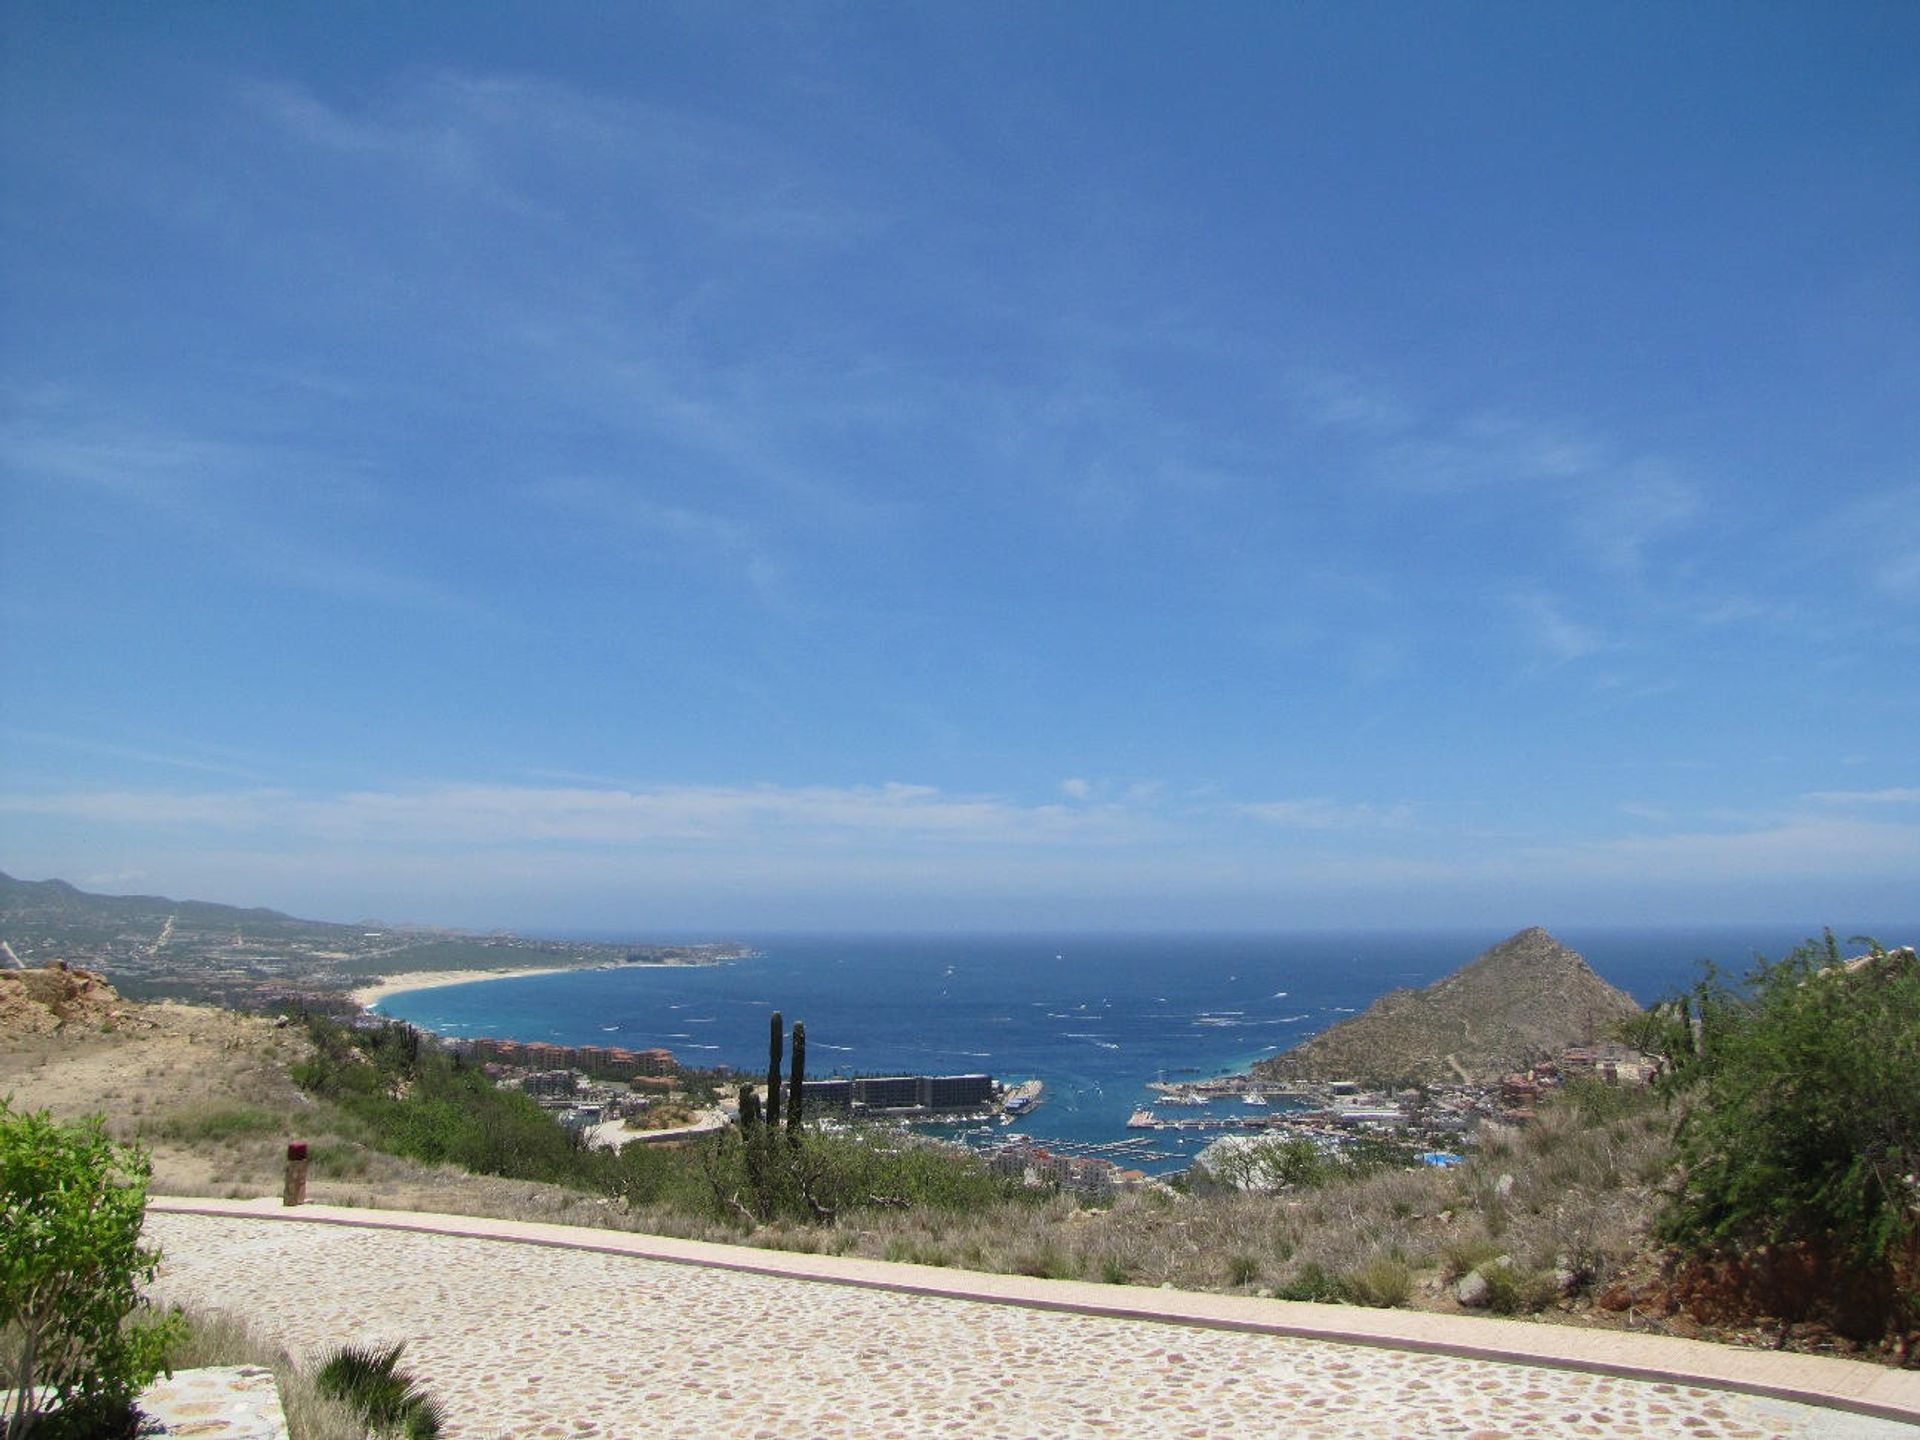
pixel 1893 795
pixel 1318 814
pixel 752 817
pixel 709 537
pixel 1484 450
pixel 243 503
pixel 1336 401
pixel 1544 620
pixel 139 754
pixel 1876 539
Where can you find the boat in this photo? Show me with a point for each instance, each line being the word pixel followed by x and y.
pixel 1254 1097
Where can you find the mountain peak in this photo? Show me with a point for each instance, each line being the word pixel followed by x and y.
pixel 1527 998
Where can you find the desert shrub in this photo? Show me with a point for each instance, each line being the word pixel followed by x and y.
pixel 758 1176
pixel 77 1343
pixel 415 1100
pixel 219 1337
pixel 1310 1281
pixel 1047 1261
pixel 337 1159
pixel 1458 1257
pixel 222 1122
pixel 1598 1103
pixel 1515 1289
pixel 1384 1280
pixel 1283 1162
pixel 1364 1155
pixel 386 1396
pixel 1242 1269
pixel 1799 1124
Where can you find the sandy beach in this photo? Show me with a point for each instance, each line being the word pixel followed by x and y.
pixel 369 995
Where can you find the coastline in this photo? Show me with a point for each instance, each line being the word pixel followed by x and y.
pixel 371 994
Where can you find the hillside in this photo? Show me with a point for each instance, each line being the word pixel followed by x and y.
pixel 257 959
pixel 1527 998
pixel 31 907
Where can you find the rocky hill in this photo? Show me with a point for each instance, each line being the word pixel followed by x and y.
pixel 1527 998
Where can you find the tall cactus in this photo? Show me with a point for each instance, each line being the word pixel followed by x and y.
pixel 773 1073
pixel 749 1108
pixel 795 1086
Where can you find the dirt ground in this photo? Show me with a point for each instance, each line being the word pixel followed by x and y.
pixel 206 1092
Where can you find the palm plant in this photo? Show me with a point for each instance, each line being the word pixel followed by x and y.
pixel 369 1380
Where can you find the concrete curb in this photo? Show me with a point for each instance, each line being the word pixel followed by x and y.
pixel 1848 1385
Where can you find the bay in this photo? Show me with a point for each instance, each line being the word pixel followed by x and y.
pixel 1095 1017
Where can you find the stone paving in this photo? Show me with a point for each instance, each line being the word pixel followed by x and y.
pixel 216 1402
pixel 527 1340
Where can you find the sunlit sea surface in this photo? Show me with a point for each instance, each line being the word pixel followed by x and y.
pixel 1095 1017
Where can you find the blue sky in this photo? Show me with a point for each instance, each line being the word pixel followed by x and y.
pixel 710 467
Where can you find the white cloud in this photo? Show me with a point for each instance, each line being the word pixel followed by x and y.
pixel 1552 630
pixel 1629 511
pixel 1337 401
pixel 1316 814
pixel 750 817
pixel 1076 789
pixel 237 501
pixel 1894 795
pixel 1877 539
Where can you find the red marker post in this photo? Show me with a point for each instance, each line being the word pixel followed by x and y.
pixel 296 1191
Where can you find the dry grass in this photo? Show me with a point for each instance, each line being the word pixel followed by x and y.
pixel 208 1093
pixel 1569 1196
pixel 216 1337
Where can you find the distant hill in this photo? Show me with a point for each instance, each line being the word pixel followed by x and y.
pixel 1527 998
pixel 258 959
pixel 56 899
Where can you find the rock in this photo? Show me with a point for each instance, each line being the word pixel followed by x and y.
pixel 1503 1187
pixel 1565 1281
pixel 38 1002
pixel 1473 1290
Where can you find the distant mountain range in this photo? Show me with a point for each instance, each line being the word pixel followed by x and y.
pixel 257 958
pixel 1527 998
pixel 56 898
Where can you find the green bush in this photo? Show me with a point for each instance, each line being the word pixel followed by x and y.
pixel 1311 1282
pixel 386 1396
pixel 225 1122
pixel 1799 1124
pixel 1242 1269
pixel 1516 1290
pixel 1268 1162
pixel 415 1100
pixel 759 1177
pixel 71 1264
pixel 1384 1281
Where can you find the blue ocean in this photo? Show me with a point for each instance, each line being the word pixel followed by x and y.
pixel 1095 1017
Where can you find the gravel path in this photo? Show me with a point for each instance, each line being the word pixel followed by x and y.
pixel 527 1340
